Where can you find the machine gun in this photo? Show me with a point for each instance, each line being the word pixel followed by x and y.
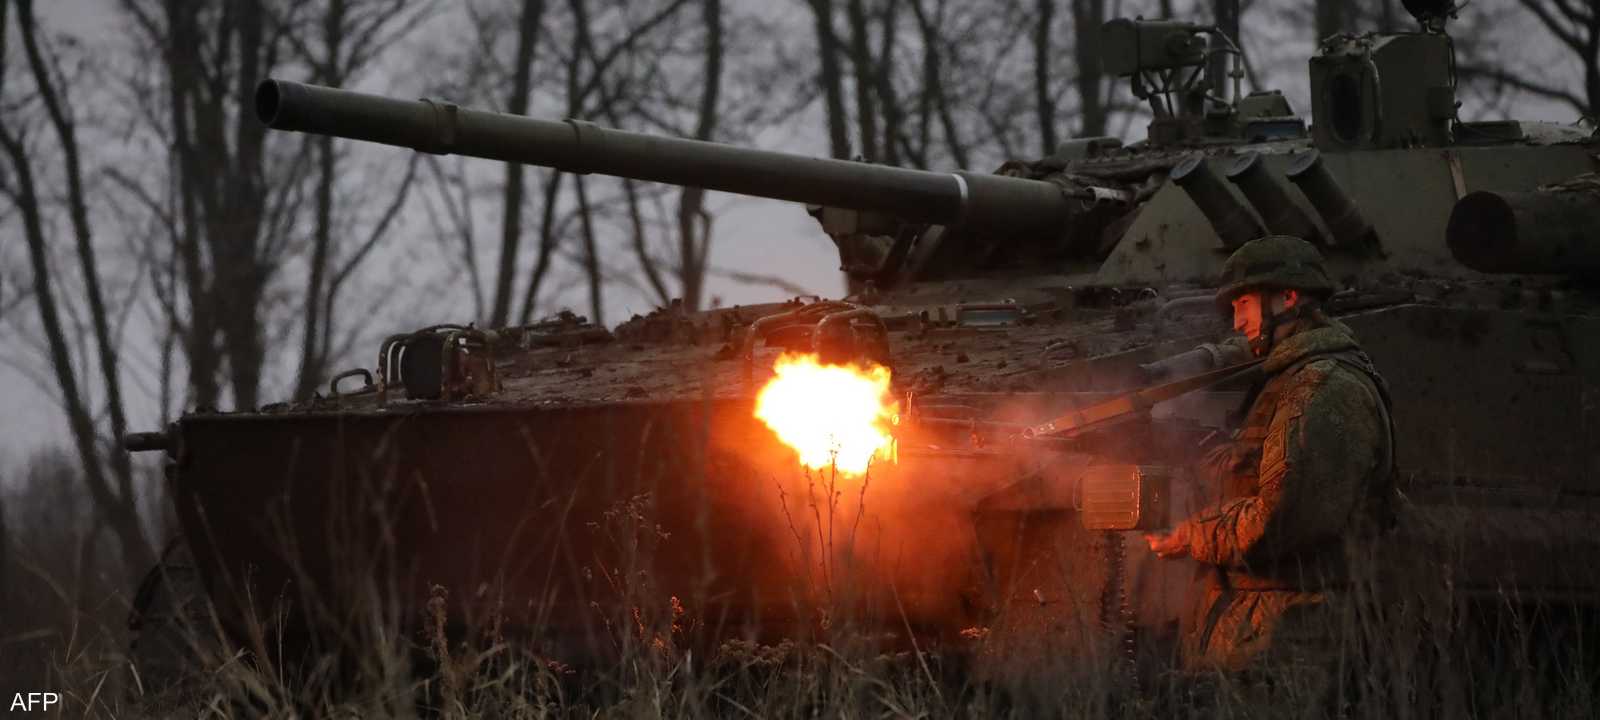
pixel 1109 461
pixel 1120 495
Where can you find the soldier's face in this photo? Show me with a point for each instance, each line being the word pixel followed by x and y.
pixel 1247 315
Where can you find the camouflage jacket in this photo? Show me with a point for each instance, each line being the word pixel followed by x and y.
pixel 1311 464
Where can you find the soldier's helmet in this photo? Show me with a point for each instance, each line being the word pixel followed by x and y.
pixel 1274 262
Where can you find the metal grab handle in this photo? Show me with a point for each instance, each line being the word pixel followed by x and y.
pixel 366 387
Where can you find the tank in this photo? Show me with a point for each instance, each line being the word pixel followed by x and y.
pixel 566 478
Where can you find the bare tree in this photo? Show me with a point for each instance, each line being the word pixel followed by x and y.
pixel 893 114
pixel 591 252
pixel 231 200
pixel 830 78
pixel 982 92
pixel 107 472
pixel 352 33
pixel 1043 57
pixel 592 75
pixel 1093 114
pixel 578 92
pixel 874 104
pixel 694 223
pixel 862 64
pixel 232 207
pixel 453 225
pixel 1574 24
pixel 547 244
pixel 528 20
pixel 935 103
pixel 674 244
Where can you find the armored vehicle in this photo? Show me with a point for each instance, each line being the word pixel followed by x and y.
pixel 580 484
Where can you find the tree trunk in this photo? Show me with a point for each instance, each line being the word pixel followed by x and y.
pixel 933 82
pixel 591 255
pixel 312 360
pixel 118 512
pixel 88 266
pixel 511 217
pixel 829 78
pixel 641 245
pixel 547 245
pixel 313 357
pixel 1591 83
pixel 861 62
pixel 236 233
pixel 1044 102
pixel 1087 17
pixel 1591 60
pixel 893 115
pixel 200 343
pixel 694 232
pixel 350 32
pixel 930 67
pixel 1577 26
pixel 379 230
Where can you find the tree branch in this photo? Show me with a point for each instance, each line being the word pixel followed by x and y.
pixel 774 281
pixel 1501 77
pixel 66 134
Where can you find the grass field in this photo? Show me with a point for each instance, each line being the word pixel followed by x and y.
pixel 483 677
pixel 64 629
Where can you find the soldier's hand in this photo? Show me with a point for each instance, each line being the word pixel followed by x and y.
pixel 1173 544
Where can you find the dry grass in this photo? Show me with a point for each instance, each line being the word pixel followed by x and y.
pixel 63 631
pixel 64 598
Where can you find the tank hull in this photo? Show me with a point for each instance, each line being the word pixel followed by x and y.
pixel 684 519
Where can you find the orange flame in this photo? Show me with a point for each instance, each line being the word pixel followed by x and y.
pixel 830 414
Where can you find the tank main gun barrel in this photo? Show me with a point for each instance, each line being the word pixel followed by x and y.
pixel 975 200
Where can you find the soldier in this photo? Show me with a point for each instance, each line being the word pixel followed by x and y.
pixel 1310 469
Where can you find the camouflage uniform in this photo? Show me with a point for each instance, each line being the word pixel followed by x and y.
pixel 1309 469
